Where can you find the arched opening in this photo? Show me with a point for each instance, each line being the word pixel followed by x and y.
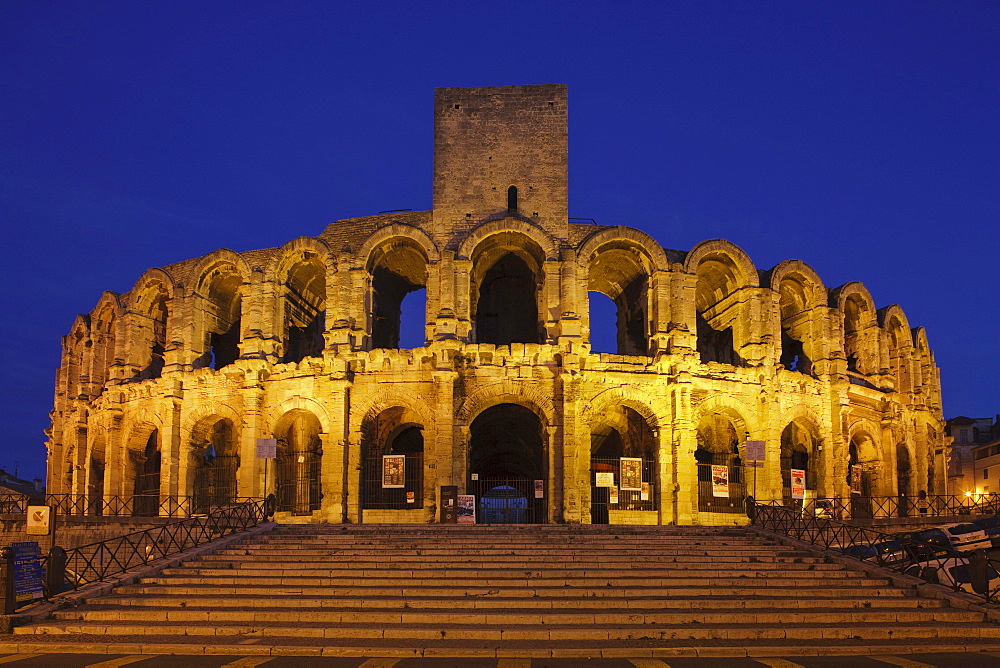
pixel 146 481
pixel 862 474
pixel 621 273
pixel 623 466
pixel 603 330
pixel 904 471
pixel 102 352
pixel 798 463
pixel 507 308
pixel 151 332
pixel 716 311
pixel 794 307
pixel 932 443
pixel 398 269
pixel 298 463
pixel 512 199
pixel 217 461
pixel 392 451
pixel 305 309
pixel 95 479
pixel 861 358
pixel 507 465
pixel 721 486
pixel 223 313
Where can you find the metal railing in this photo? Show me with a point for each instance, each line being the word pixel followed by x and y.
pixel 875 507
pixel 974 573
pixel 736 490
pixel 99 561
pixel 377 496
pixel 82 505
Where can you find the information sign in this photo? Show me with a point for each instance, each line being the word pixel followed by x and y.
pixel 393 471
pixel 644 494
pixel 267 448
pixel 631 474
pixel 613 494
pixel 466 509
pixel 798 483
pixel 755 451
pixel 720 480
pixel 539 489
pixel 604 479
pixel 449 504
pixel 38 521
pixel 27 571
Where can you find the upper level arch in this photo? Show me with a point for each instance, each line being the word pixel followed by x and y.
pixel 722 271
pixel 801 305
pixel 299 271
pixel 218 308
pixel 397 259
pixel 506 392
pixel 148 318
pixel 861 345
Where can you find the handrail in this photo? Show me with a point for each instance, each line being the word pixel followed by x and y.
pixel 82 505
pixel 867 544
pixel 879 507
pixel 104 559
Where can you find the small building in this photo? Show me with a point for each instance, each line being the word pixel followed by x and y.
pixel 975 450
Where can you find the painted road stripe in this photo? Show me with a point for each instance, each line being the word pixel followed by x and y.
pixel 248 662
pixel 17 657
pixel 379 663
pixel 904 663
pixel 120 661
pixel 778 663
pixel 649 663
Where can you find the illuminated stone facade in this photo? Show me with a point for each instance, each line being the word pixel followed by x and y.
pixel 163 391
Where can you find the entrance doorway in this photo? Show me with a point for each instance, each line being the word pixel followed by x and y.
pixel 507 470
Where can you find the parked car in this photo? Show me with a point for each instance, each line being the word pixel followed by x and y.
pixel 887 553
pixel 953 572
pixel 966 536
pixel 926 544
pixel 991 526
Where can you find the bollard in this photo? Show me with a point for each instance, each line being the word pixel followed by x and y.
pixel 7 577
pixel 55 572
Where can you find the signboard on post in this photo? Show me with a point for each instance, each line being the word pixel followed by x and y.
pixel 267 448
pixel 755 454
pixel 720 480
pixel 38 521
pixel 27 572
pixel 631 474
pixel 798 483
pixel 393 471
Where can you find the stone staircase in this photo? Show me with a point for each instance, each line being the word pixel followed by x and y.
pixel 530 591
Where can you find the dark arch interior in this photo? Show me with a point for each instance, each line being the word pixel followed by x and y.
pixel 389 290
pixel 507 310
pixel 506 441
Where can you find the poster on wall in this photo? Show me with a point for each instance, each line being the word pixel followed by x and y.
pixel 720 480
pixel 855 479
pixel 644 494
pixel 612 494
pixel 631 474
pixel 798 483
pixel 466 509
pixel 539 489
pixel 604 479
pixel 411 497
pixel 393 471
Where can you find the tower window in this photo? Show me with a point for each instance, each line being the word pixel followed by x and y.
pixel 512 198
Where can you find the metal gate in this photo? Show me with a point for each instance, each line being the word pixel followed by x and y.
pixel 508 501
pixel 215 483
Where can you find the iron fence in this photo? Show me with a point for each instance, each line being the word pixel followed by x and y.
pixel 601 501
pixel 508 500
pixel 375 495
pixel 974 573
pixel 298 485
pixel 81 505
pixel 105 559
pixel 876 507
pixel 729 501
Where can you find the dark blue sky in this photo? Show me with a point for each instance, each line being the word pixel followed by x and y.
pixel 863 138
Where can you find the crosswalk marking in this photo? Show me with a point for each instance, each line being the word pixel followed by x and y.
pixel 649 663
pixel 778 663
pixel 17 657
pixel 903 663
pixel 248 662
pixel 514 663
pixel 120 661
pixel 379 663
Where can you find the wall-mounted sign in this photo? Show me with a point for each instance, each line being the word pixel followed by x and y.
pixel 613 494
pixel 720 480
pixel 604 479
pixel 798 483
pixel 539 489
pixel 644 494
pixel 393 471
pixel 411 497
pixel 38 521
pixel 631 474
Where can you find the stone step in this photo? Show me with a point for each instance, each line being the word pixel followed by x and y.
pixel 736 605
pixel 333 567
pixel 439 551
pixel 492 571
pixel 517 617
pixel 689 592
pixel 961 633
pixel 609 559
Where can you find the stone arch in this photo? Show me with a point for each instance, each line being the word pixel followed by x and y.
pixel 298 461
pixel 144 457
pixel 800 449
pixel 630 398
pixel 719 437
pixel 801 298
pixel 75 367
pixel 215 458
pixel 392 428
pixel 104 322
pixel 541 238
pixel 148 322
pixel 864 450
pixel 218 308
pixel 857 308
pixel 303 404
pixel 722 271
pixel 507 285
pixel 899 346
pixel 397 259
pixel 506 391
pixel 299 272
pixel 619 263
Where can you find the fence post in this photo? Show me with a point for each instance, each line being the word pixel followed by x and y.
pixel 55 571
pixel 7 576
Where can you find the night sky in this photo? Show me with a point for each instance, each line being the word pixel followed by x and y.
pixel 860 137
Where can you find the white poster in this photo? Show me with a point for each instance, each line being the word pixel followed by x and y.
pixel 720 480
pixel 605 479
